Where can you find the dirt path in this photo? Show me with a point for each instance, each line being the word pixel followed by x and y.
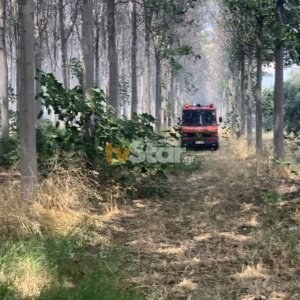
pixel 207 240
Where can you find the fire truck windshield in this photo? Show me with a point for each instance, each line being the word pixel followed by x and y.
pixel 199 118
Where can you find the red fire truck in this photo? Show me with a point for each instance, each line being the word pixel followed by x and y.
pixel 199 126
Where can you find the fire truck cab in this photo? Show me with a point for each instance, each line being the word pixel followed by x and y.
pixel 199 126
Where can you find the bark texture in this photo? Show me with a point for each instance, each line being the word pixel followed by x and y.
pixel 278 92
pixel 249 104
pixel 113 89
pixel 27 101
pixel 158 112
pixel 259 77
pixel 3 75
pixel 134 93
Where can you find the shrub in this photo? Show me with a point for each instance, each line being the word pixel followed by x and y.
pixel 99 118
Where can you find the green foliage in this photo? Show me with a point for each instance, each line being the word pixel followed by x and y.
pixel 76 69
pixel 246 19
pixel 10 151
pixel 13 122
pixel 269 197
pixel 52 143
pixel 76 113
pixel 6 293
pixel 124 90
pixel 163 16
pixel 173 53
pixel 268 109
pixel 292 106
pixel 12 95
pixel 190 86
pixel 231 124
pixel 69 105
pixel 74 271
pixel 152 188
pixel 194 166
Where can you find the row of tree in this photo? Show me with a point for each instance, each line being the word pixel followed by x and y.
pixel 257 33
pixel 100 42
pixel 134 45
pixel 292 104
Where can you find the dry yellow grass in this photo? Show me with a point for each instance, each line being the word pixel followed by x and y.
pixel 67 202
pixel 211 239
pixel 214 236
pixel 56 198
pixel 240 148
pixel 29 280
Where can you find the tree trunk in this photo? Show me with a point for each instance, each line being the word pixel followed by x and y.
pixel 98 19
pixel 104 45
pixel 38 63
pixel 97 55
pixel 134 93
pixel 172 105
pixel 3 75
pixel 232 89
pixel 148 77
pixel 158 113
pixel 147 69
pixel 113 89
pixel 88 49
pixel 237 98
pixel 27 101
pixel 249 104
pixel 18 62
pixel 259 118
pixel 63 43
pixel 278 90
pixel 243 90
pixel 88 61
pixel 55 38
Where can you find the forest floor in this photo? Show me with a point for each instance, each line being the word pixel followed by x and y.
pixel 229 230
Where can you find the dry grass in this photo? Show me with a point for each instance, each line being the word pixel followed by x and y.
pixel 217 235
pixel 29 280
pixel 40 239
pixel 240 148
pixel 59 207
pixel 64 200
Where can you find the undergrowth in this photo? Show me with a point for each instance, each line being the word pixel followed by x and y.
pixel 59 267
pixel 47 247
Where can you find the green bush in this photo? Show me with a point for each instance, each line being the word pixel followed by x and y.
pixel 231 124
pixel 52 143
pixel 60 267
pixel 292 106
pixel 84 130
pixel 268 108
pixel 10 151
pixel 97 117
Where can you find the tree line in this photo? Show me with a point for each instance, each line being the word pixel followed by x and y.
pixel 61 59
pixel 258 33
pixel 131 49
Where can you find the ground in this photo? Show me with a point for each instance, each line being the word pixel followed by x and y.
pixel 229 230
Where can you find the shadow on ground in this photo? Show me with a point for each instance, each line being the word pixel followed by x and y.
pixel 214 236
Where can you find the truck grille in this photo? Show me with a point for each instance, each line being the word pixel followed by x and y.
pixel 200 134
